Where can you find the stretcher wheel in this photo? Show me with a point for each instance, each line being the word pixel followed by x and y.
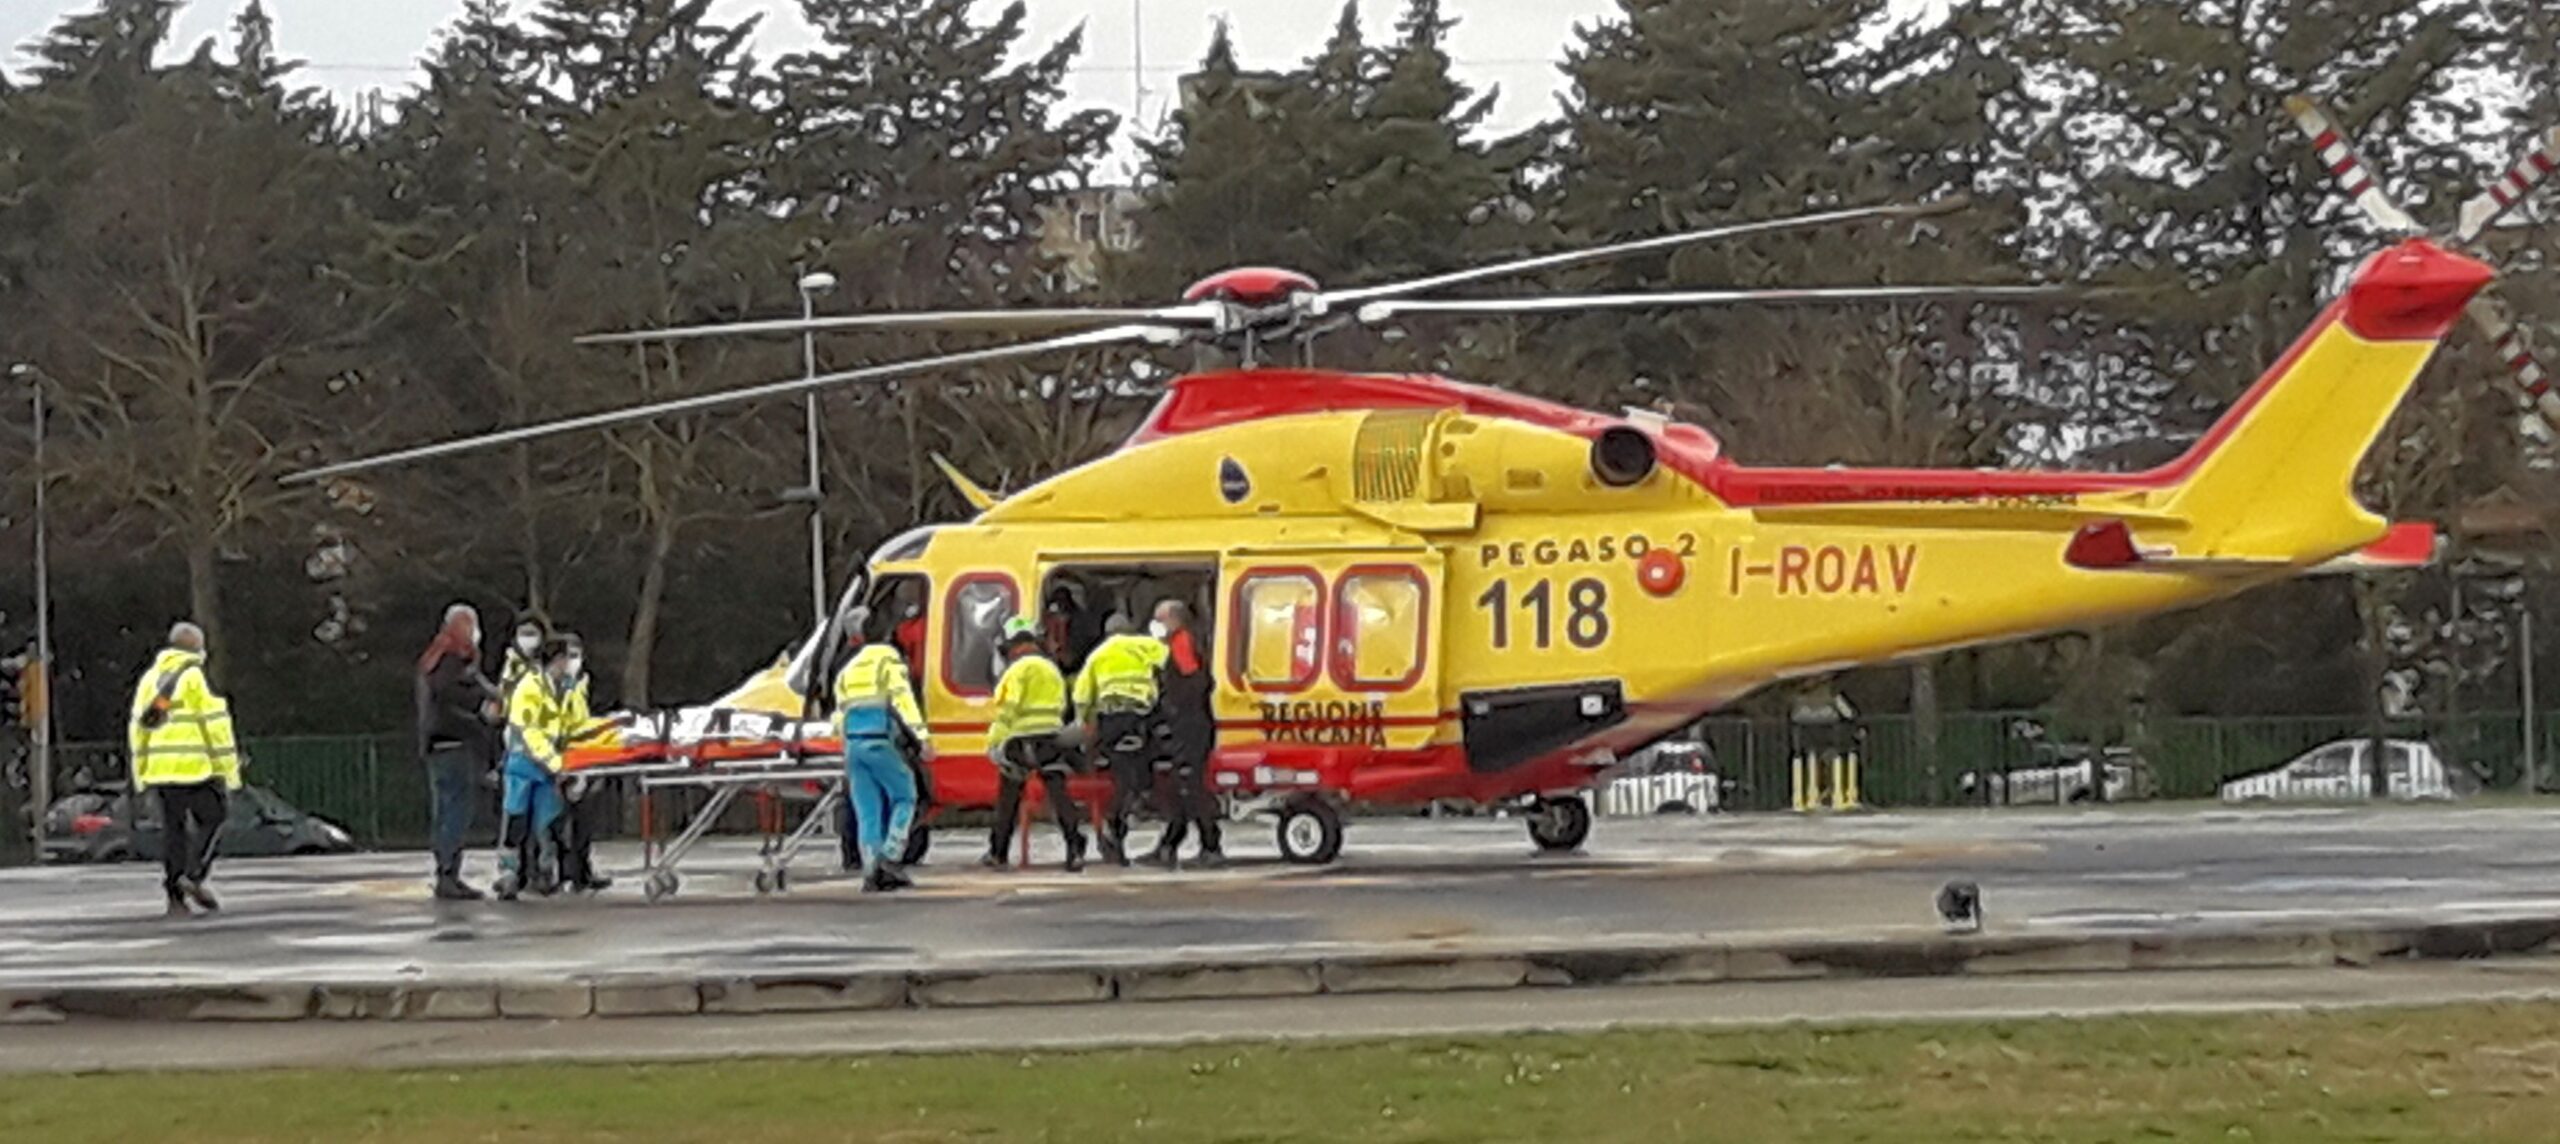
pixel 659 885
pixel 766 881
pixel 1559 824
pixel 1311 833
pixel 919 840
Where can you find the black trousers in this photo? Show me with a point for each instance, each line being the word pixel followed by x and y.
pixel 190 825
pixel 1187 801
pixel 1016 763
pixel 1126 742
pixel 575 836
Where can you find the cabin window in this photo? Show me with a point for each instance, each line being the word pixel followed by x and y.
pixel 1380 618
pixel 972 629
pixel 1279 622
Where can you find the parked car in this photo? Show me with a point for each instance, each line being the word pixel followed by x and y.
pixel 2343 771
pixel 1676 777
pixel 2064 774
pixel 103 826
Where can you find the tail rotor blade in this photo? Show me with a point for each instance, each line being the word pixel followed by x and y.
pixel 2508 343
pixel 1115 335
pixel 1380 311
pixel 2338 154
pixel 1334 299
pixel 2540 159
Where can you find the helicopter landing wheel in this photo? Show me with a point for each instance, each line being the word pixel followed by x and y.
pixel 1558 825
pixel 1310 833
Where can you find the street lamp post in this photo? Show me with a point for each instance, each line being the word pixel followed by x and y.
pixel 40 783
pixel 812 285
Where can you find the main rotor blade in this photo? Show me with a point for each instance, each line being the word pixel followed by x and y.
pixel 2541 157
pixel 1159 335
pixel 1202 314
pixel 1335 298
pixel 1380 311
pixel 2491 316
pixel 2338 154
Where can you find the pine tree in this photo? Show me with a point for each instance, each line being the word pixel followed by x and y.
pixel 913 161
pixel 1233 184
pixel 1410 179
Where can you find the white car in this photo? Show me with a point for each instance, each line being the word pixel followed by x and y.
pixel 1666 778
pixel 2128 778
pixel 2343 771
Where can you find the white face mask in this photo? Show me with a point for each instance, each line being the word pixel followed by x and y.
pixel 1157 629
pixel 526 644
pixel 576 665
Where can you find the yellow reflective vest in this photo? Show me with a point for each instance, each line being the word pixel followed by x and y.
pixel 1031 699
pixel 877 677
pixel 1120 675
pixel 540 719
pixel 194 742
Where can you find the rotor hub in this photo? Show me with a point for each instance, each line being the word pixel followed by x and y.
pixel 1250 286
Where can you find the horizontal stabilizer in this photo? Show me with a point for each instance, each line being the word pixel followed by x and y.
pixel 2109 546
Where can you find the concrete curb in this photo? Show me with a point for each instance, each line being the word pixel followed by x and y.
pixel 1057 983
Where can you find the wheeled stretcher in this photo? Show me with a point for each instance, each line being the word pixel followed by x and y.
pixel 728 753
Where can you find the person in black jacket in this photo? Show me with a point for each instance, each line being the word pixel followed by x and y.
pixel 454 741
pixel 1190 730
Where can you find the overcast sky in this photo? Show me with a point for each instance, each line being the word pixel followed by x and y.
pixel 356 45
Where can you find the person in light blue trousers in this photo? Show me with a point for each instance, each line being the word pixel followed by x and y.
pixel 876 701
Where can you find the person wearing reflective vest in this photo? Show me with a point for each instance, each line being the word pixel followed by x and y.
pixel 539 711
pixel 1031 709
pixel 184 755
pixel 875 701
pixel 576 825
pixel 1115 697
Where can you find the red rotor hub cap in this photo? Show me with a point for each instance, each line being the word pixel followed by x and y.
pixel 1250 286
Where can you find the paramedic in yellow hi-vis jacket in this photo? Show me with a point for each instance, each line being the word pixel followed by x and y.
pixel 539 711
pixel 874 700
pixel 1116 697
pixel 1031 707
pixel 184 753
pixel 576 829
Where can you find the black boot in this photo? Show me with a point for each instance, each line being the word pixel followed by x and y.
pixel 203 898
pixel 1210 860
pixel 1161 858
pixel 992 860
pixel 893 877
pixel 1075 854
pixel 453 889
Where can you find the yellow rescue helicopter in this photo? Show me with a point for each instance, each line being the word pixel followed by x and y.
pixel 1419 589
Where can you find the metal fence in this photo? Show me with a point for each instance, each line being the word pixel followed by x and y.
pixel 371 785
pixel 1982 758
pixel 374 788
